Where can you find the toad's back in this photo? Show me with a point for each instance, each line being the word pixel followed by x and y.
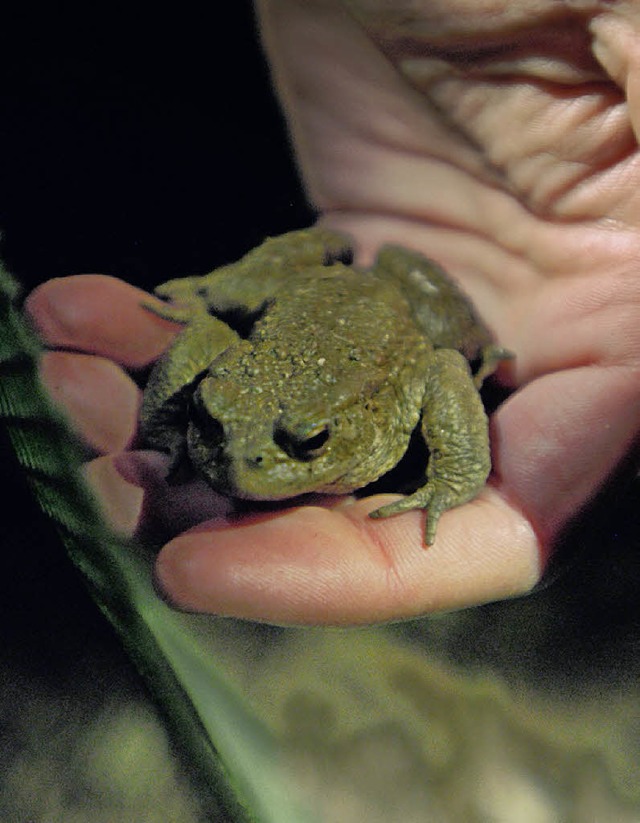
pixel 333 323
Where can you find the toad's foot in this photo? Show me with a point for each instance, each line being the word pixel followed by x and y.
pixel 490 358
pixel 436 496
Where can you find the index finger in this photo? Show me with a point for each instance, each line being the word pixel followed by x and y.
pixel 98 314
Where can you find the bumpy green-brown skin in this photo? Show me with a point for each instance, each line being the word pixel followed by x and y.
pixel 335 369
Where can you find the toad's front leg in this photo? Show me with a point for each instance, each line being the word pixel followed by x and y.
pixel 165 404
pixel 455 427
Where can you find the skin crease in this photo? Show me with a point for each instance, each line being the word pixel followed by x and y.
pixel 499 138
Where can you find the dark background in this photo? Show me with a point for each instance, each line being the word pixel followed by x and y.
pixel 140 147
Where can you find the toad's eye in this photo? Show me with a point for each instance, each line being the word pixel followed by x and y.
pixel 210 429
pixel 301 444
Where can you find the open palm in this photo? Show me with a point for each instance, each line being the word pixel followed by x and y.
pixel 504 146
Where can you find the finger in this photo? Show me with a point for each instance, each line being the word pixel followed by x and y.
pixel 101 315
pixel 337 566
pixel 136 499
pixel 558 440
pixel 120 502
pixel 100 400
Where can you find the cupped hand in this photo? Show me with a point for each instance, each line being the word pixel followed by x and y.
pixel 504 146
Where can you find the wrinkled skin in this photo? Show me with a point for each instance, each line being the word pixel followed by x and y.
pixel 333 371
pixel 499 138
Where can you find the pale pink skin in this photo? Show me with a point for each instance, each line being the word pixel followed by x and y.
pixel 518 169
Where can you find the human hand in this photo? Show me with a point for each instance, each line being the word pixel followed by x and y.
pixel 508 153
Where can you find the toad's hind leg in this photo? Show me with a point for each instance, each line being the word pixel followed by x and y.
pixel 455 428
pixel 441 309
pixel 248 284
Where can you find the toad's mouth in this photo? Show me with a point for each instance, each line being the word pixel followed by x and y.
pixel 271 473
pixel 253 479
